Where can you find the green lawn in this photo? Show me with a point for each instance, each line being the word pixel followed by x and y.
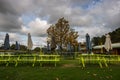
pixel 65 70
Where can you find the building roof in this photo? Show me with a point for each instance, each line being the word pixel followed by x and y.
pixel 114 45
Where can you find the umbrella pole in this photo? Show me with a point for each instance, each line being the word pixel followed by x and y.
pixel 28 51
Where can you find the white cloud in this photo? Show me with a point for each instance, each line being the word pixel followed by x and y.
pixel 39 41
pixel 37 27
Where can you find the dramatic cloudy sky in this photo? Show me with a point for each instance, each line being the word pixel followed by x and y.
pixel 18 17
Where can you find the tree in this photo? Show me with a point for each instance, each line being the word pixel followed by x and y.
pixel 23 47
pixel 12 47
pixel 37 49
pixel 115 38
pixel 61 34
pixel 97 41
pixel 2 46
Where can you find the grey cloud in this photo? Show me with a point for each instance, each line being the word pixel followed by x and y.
pixel 73 10
pixel 17 7
pixel 6 7
pixel 9 23
pixel 11 11
pixel 93 18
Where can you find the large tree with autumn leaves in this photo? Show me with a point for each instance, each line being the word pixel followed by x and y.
pixel 61 34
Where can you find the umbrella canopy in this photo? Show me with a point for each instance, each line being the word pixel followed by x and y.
pixel 88 43
pixel 17 46
pixel 48 43
pixel 48 46
pixel 79 47
pixel 6 42
pixel 58 47
pixel 108 43
pixel 68 47
pixel 30 43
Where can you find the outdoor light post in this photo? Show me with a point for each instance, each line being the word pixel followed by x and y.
pixel 48 43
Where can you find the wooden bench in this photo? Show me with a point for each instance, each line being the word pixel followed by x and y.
pixel 86 58
pixel 6 59
pixel 16 59
pixel 99 59
pixel 48 58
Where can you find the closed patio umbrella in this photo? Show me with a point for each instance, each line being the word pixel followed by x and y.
pixel 30 43
pixel 48 46
pixel 6 42
pixel 17 46
pixel 88 43
pixel 108 43
pixel 79 47
pixel 68 47
pixel 48 43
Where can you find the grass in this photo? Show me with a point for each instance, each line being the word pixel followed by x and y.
pixel 65 70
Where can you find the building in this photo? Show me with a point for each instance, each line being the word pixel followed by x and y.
pixel 100 49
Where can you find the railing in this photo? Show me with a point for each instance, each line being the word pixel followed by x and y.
pixel 41 59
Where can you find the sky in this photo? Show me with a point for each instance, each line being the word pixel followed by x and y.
pixel 20 17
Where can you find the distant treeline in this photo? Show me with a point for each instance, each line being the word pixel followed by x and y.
pixel 115 38
pixel 12 47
